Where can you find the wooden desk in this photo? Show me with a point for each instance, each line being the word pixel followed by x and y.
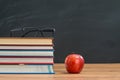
pixel 90 72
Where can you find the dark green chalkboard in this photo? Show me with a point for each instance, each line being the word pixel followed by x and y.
pixel 88 27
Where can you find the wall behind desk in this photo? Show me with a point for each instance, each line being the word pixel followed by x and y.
pixel 88 27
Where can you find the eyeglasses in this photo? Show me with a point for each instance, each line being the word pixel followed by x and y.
pixel 32 32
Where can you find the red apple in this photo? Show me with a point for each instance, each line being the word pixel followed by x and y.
pixel 74 63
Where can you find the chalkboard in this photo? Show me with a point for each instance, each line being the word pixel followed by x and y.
pixel 88 27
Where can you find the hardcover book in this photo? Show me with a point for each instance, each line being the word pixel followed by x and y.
pixel 25 41
pixel 26 52
pixel 26 69
pixel 25 60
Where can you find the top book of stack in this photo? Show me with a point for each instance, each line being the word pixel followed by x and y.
pixel 26 41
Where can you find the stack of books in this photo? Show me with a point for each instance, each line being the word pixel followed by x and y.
pixel 26 55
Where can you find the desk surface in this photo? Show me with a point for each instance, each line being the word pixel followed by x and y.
pixel 89 72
